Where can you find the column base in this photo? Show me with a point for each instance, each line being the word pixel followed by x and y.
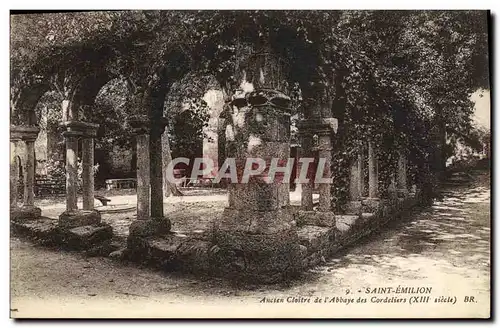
pixel 256 222
pixel 78 218
pixel 370 205
pixel 354 207
pixel 150 227
pixel 25 213
pixel 257 246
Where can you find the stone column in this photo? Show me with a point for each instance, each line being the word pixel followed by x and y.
pixel 324 128
pixel 361 170
pixel 372 172
pixel 356 185
pixel 73 216
pixel 143 171
pixel 307 188
pixel 372 203
pixel 156 168
pixel 402 184
pixel 88 167
pixel 325 152
pixel 28 134
pixel 14 171
pixel 256 236
pixel 29 174
pixel 150 218
pixel 71 139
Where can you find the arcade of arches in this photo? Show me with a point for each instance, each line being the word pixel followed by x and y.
pixel 257 234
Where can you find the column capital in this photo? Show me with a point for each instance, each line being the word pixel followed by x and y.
pixel 261 97
pixel 142 124
pixel 24 132
pixel 80 129
pixel 319 126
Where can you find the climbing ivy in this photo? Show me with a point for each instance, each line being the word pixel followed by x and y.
pixel 402 79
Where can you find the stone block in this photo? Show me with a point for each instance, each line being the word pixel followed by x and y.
pixel 315 238
pixel 104 249
pixel 118 254
pixel 354 207
pixel 322 219
pixel 345 224
pixel 256 222
pixel 150 227
pixel 163 249
pixel 264 258
pixel 194 256
pixel 87 237
pixel 315 258
pixel 43 230
pixel 171 251
pixel 347 219
pixel 79 218
pixel 25 213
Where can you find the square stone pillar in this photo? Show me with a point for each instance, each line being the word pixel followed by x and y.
pixel 256 237
pixel 402 184
pixel 88 166
pixel 28 134
pixel 73 216
pixel 150 217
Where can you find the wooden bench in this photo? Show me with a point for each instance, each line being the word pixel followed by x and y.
pixel 199 182
pixel 127 183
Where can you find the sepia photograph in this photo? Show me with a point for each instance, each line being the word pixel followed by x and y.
pixel 291 164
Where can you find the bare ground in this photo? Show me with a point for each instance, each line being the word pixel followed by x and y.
pixel 446 247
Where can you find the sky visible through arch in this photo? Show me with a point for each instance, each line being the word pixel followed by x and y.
pixel 482 108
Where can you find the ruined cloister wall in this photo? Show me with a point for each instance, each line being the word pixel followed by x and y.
pixel 260 235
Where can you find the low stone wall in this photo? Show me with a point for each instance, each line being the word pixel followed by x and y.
pixel 319 236
pixel 323 239
pixel 95 239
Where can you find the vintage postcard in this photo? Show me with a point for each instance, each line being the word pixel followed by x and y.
pixel 250 164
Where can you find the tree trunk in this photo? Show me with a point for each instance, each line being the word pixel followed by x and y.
pixel 169 188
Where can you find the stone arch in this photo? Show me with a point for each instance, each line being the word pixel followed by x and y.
pixel 117 161
pixel 85 96
pixel 24 99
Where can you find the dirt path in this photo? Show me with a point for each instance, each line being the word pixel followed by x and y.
pixel 446 248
